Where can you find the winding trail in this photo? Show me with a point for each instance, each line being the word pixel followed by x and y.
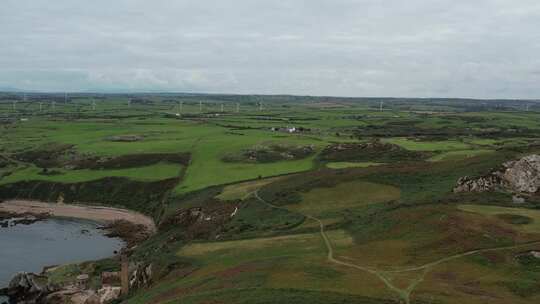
pixel 403 293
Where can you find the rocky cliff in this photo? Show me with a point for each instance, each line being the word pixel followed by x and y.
pixel 519 176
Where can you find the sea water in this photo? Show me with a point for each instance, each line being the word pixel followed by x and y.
pixel 51 242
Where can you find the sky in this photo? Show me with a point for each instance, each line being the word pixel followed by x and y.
pixel 394 48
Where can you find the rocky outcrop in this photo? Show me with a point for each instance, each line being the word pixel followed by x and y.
pixel 141 277
pixel 519 176
pixel 27 288
pixel 523 175
pixel 480 184
pixel 202 222
pixel 73 295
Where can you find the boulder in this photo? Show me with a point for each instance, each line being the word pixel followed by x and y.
pixel 523 175
pixel 108 294
pixel 75 295
pixel 28 288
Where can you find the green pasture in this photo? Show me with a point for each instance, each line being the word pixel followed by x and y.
pixel 458 155
pixel 344 165
pixel 148 173
pixel 494 211
pixel 417 145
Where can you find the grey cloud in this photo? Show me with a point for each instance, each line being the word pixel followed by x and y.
pixel 457 48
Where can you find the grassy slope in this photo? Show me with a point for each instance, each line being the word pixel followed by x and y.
pixel 148 173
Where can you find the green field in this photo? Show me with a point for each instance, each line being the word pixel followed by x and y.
pixel 343 165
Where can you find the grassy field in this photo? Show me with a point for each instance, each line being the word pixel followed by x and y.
pixel 413 145
pixel 525 219
pixel 148 173
pixel 343 165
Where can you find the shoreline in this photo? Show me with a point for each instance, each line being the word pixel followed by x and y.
pixel 100 214
pixel 129 226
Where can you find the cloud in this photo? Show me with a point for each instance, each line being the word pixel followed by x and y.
pixel 454 48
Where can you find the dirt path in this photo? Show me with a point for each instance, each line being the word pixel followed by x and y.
pixel 94 213
pixel 403 293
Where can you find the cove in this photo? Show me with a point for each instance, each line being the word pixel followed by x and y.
pixel 53 241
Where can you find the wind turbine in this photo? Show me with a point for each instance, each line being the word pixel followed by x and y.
pixel 381 106
pixel 237 107
pixel 200 106
pixel 179 109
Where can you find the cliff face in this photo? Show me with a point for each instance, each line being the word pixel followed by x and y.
pixel 520 176
pixel 523 175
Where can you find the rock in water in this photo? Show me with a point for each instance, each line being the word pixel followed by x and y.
pixel 520 176
pixel 28 288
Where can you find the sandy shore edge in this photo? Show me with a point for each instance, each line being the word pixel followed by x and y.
pixel 100 214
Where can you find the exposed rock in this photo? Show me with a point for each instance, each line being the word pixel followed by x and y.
pixel 201 222
pixel 10 219
pixel 73 295
pixel 516 199
pixel 125 138
pixel 76 295
pixel 481 184
pixel 523 175
pixel 131 233
pixel 520 176
pixel 141 277
pixel 82 281
pixel 268 153
pixel 108 294
pixel 27 288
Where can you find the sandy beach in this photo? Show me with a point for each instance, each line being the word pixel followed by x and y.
pixel 94 213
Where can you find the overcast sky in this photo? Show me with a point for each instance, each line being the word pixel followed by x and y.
pixel 413 48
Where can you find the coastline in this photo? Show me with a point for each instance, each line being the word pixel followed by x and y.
pixel 130 226
pixel 100 214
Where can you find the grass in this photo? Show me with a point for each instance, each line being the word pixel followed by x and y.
pixel 458 155
pixel 413 145
pixel 495 211
pixel 156 172
pixel 347 195
pixel 343 165
pixel 277 245
pixel 242 190
pixel 208 169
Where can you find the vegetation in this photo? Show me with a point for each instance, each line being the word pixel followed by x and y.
pixel 353 205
